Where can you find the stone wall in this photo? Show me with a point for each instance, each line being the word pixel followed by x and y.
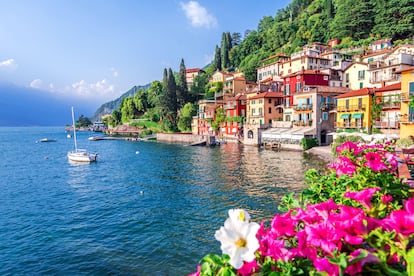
pixel 185 138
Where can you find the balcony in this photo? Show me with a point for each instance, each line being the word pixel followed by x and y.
pixel 390 105
pixel 384 124
pixel 407 119
pixel 257 114
pixel 302 123
pixel 327 106
pixel 348 124
pixel 304 107
pixel 230 106
pixel 351 108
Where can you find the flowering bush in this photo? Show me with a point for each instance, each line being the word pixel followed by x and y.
pixel 356 220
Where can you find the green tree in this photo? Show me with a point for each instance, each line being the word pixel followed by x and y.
pixel 394 18
pixel 198 87
pixel 225 49
pixel 182 89
pixel 169 102
pixel 83 122
pixel 217 59
pixel 140 100
pixel 186 117
pixel 116 118
pixel 128 110
pixel 219 119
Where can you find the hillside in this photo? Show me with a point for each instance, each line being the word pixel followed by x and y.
pixel 107 108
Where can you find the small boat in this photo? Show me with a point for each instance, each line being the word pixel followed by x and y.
pixel 80 155
pixel 45 140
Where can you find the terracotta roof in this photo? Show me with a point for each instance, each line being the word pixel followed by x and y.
pixel 392 87
pixel 354 93
pixel 191 70
pixel 332 89
pixel 306 72
pixel 238 97
pixel 239 79
pixel 267 79
pixel 267 95
pixel 385 51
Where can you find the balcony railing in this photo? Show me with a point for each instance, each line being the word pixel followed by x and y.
pixel 327 106
pixel 407 118
pixel 230 106
pixel 304 107
pixel 392 105
pixel 350 124
pixel 384 124
pixel 351 108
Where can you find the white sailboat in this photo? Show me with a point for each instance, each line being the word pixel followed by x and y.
pixel 80 155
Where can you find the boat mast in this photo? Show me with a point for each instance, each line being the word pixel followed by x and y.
pixel 74 129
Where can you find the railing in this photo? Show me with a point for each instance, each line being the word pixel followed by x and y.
pixel 385 124
pixel 304 107
pixel 327 106
pixel 350 124
pixel 350 108
pixel 230 106
pixel 302 123
pixel 392 105
pixel 407 118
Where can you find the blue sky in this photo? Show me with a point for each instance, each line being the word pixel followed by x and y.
pixel 98 49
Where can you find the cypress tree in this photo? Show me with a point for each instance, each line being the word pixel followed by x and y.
pixel 182 89
pixel 225 48
pixel 217 59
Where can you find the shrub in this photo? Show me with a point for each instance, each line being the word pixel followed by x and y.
pixel 356 220
pixel 308 143
pixel 404 142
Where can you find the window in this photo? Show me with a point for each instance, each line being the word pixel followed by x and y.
pixel 270 110
pixel 360 103
pixel 347 104
pixel 347 77
pixel 361 85
pixel 287 90
pixel 260 101
pixel 361 75
pixel 325 116
pixel 260 111
pixel 270 101
pixel 411 88
pixel 253 111
pixel 298 86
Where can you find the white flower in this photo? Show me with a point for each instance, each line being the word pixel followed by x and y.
pixel 238 238
pixel 239 215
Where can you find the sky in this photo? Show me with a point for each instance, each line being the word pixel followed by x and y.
pixel 98 49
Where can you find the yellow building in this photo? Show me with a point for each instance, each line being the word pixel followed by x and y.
pixel 356 76
pixel 407 113
pixel 354 109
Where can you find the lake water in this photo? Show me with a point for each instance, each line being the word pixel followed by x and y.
pixel 145 208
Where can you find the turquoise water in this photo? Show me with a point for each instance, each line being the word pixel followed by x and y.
pixel 145 208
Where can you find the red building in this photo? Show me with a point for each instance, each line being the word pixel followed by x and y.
pixel 235 108
pixel 295 82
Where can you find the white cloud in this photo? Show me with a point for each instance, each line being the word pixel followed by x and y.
pixel 37 84
pixel 198 15
pixel 100 89
pixel 9 64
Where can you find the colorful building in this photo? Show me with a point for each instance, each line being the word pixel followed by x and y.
pixel 389 97
pixel 354 109
pixel 356 76
pixel 407 112
pixel 235 108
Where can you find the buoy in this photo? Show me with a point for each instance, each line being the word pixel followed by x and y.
pixel 142 192
pixel 137 152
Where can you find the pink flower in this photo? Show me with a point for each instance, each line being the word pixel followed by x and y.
pixel 248 268
pixel 391 159
pixel 350 222
pixel 283 225
pixel 323 264
pixel 348 146
pixel 401 221
pixel 356 268
pixel 324 236
pixel 386 199
pixel 343 165
pixel 363 197
pixel 374 161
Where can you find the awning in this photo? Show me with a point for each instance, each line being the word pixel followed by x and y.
pixel 357 115
pixel 345 116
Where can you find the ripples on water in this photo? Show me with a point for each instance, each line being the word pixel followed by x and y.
pixel 151 213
